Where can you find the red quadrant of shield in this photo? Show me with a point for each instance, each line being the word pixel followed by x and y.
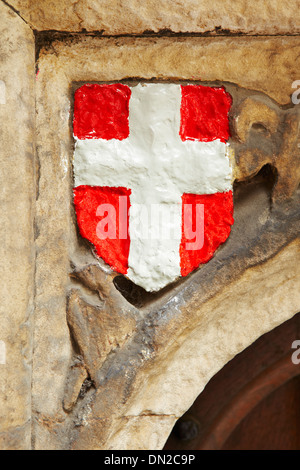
pixel 101 111
pixel 87 199
pixel 218 218
pixel 204 113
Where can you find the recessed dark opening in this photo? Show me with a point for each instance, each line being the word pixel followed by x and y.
pixel 134 294
pixel 257 126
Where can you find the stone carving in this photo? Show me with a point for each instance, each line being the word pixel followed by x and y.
pixel 267 134
pixel 100 323
pixel 152 176
pixel 129 394
pixel 103 322
pixel 111 17
pixel 53 396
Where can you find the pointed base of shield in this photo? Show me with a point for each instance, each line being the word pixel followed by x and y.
pixel 100 221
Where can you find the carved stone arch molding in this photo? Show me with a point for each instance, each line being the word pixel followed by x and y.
pixel 113 367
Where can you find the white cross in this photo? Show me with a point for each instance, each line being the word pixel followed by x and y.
pixel 158 167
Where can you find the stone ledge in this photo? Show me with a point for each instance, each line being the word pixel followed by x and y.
pixel 114 17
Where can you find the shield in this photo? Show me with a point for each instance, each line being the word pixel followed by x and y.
pixel 152 176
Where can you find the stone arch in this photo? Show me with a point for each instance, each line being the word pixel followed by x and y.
pixel 250 401
pixel 239 318
pixel 187 359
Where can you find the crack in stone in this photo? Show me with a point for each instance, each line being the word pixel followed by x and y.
pixel 128 417
pixel 17 13
pixel 151 415
pixel 217 32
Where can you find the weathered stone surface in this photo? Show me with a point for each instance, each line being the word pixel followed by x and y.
pixel 16 228
pixel 255 111
pixel 269 65
pixel 180 337
pixel 142 432
pixel 274 141
pixel 76 382
pixel 100 327
pixel 184 344
pixel 134 17
pixel 107 374
pixel 185 359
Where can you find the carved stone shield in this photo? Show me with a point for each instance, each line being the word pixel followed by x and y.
pixel 153 186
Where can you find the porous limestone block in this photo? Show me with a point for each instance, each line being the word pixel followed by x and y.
pixel 16 228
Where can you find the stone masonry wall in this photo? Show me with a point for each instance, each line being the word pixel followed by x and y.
pixel 87 359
